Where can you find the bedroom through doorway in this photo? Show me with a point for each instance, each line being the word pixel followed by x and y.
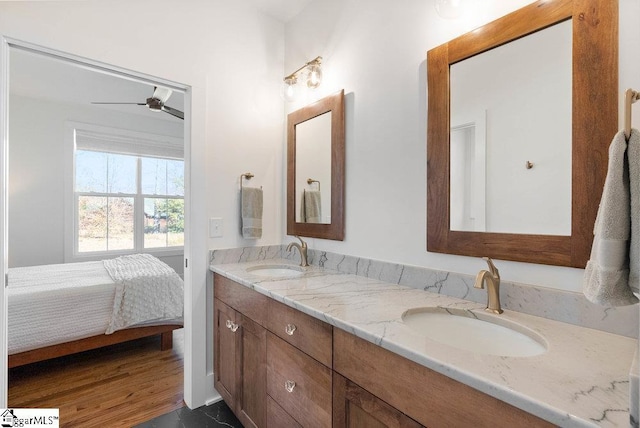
pixel 97 186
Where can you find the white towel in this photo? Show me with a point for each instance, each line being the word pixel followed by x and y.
pixel 310 209
pixel 633 156
pixel 607 277
pixel 251 201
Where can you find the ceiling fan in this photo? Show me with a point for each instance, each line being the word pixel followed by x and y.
pixel 156 102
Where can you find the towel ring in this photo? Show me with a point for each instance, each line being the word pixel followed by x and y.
pixel 311 180
pixel 247 176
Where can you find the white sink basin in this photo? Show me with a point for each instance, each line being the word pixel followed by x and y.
pixel 276 271
pixel 477 331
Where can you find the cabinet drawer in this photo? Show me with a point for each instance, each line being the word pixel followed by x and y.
pixel 277 417
pixel 303 331
pixel 298 383
pixel 430 398
pixel 244 300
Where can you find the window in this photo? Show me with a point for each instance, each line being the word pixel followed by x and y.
pixel 128 194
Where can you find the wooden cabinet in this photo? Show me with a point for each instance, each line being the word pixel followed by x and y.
pixel 278 418
pixel 298 383
pixel 272 363
pixel 310 335
pixel 225 352
pixel 354 407
pixel 278 367
pixel 432 399
pixel 251 406
pixel 240 349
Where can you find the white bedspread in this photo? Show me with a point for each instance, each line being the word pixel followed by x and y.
pixel 53 304
pixel 146 290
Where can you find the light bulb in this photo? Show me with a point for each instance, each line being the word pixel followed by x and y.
pixel 289 89
pixel 314 78
pixel 449 9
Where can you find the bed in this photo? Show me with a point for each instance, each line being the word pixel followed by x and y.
pixel 57 310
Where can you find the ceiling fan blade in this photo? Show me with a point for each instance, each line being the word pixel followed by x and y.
pixel 136 104
pixel 173 112
pixel 162 94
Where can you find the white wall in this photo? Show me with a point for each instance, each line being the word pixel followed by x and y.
pixel 376 51
pixel 37 150
pixel 231 56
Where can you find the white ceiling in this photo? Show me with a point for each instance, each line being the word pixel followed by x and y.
pixel 42 77
pixel 282 10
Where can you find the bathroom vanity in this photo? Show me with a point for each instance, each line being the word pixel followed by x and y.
pixel 318 348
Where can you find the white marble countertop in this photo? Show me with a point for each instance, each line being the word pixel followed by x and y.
pixel 581 381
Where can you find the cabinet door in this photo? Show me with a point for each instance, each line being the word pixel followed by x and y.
pixel 251 405
pixel 225 358
pixel 353 407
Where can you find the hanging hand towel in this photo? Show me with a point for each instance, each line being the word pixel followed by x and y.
pixel 633 157
pixel 606 277
pixel 311 206
pixel 251 212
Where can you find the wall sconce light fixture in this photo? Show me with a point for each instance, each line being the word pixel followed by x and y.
pixel 449 9
pixel 313 75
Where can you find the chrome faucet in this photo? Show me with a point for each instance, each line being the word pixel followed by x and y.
pixel 302 247
pixel 492 278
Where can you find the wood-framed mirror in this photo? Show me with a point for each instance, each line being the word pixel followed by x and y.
pixel 315 169
pixel 594 121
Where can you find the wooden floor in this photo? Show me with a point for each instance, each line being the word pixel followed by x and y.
pixel 117 386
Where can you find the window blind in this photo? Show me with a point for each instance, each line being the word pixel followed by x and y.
pixel 159 146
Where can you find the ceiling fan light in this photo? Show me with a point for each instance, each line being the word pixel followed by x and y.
pixel 161 93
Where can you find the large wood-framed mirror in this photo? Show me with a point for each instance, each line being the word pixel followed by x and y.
pixel 594 121
pixel 315 169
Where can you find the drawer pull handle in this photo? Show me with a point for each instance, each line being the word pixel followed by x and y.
pixel 234 327
pixel 229 324
pixel 290 328
pixel 289 385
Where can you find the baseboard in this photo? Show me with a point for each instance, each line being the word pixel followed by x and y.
pixel 212 394
pixel 213 400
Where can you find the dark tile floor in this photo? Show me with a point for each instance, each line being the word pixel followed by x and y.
pixel 217 415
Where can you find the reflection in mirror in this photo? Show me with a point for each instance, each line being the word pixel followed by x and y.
pixel 510 105
pixel 593 102
pixel 313 167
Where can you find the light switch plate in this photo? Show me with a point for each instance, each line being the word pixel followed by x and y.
pixel 215 227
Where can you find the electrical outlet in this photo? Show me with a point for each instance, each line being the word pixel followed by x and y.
pixel 215 227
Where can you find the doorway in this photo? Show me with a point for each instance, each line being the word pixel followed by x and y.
pixel 49 94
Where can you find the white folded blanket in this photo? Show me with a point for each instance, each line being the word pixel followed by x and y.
pixel 607 278
pixel 146 290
